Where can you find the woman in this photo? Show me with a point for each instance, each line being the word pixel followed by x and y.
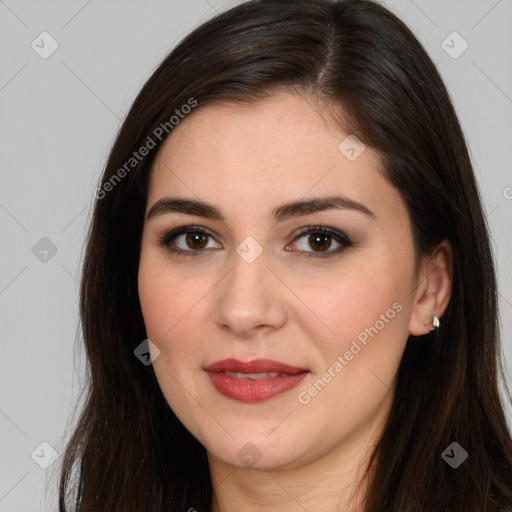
pixel 289 229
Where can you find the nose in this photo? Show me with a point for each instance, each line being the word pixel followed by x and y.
pixel 249 299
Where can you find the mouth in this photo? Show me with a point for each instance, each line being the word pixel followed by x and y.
pixel 253 381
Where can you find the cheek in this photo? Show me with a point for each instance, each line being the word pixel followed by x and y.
pixel 361 314
pixel 357 304
pixel 172 309
pixel 167 300
pixel 358 349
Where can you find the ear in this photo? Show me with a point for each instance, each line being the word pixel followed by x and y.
pixel 433 290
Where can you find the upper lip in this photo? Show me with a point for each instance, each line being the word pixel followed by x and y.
pixel 255 366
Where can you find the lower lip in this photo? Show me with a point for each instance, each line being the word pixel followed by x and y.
pixel 251 391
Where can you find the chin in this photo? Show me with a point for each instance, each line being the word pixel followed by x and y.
pixel 254 451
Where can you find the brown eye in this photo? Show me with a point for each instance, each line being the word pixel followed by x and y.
pixel 320 241
pixel 196 240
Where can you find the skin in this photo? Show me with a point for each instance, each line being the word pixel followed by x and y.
pixel 246 160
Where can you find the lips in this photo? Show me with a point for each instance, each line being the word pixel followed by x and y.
pixel 256 366
pixel 253 381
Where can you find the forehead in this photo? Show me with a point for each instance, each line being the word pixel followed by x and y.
pixel 247 156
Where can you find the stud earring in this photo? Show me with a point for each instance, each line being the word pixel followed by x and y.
pixel 435 323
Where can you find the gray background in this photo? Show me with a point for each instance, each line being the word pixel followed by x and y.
pixel 59 119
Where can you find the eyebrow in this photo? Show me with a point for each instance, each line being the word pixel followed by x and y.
pixel 199 208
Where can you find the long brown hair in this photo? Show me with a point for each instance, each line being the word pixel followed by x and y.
pixel 129 452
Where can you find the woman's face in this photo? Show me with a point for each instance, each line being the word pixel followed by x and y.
pixel 245 283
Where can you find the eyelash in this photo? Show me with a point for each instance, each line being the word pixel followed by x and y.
pixel 340 237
